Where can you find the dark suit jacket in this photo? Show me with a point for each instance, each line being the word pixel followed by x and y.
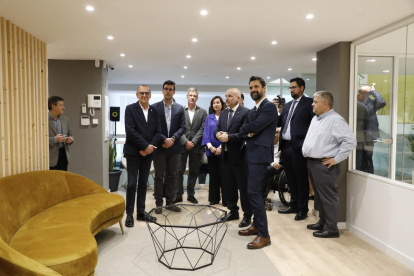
pixel 139 133
pixel 260 147
pixel 299 123
pixel 235 142
pixel 194 131
pixel 177 127
pixel 54 147
pixel 373 105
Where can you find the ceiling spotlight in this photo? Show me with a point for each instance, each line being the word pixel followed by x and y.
pixel 194 40
pixel 185 67
pixel 183 76
pixel 386 71
pixel 110 37
pixel 89 8
pixel 371 60
pixel 309 16
pixel 274 42
pixel 307 79
pixel 252 58
pixel 227 77
pixel 289 69
pixel 130 66
pixel 204 12
pixel 314 59
pixel 238 68
pixel 188 56
pixel 122 55
pixel 268 77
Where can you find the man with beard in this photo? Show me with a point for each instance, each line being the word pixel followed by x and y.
pixel 259 130
pixel 295 120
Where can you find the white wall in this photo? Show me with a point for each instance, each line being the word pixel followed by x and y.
pixel 381 212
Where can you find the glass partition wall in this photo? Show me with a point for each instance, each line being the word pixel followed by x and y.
pixel 384 105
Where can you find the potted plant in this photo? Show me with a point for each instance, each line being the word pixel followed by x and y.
pixel 410 139
pixel 114 175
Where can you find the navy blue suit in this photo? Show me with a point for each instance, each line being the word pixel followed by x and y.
pixel 139 134
pixel 166 160
pixel 291 151
pixel 259 153
pixel 234 174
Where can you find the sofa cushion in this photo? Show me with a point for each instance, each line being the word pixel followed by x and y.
pixel 60 237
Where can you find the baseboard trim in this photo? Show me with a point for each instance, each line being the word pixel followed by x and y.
pixel 390 251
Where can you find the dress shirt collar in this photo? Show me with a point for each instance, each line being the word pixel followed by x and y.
pixel 188 108
pixel 143 107
pixel 258 104
pixel 326 114
pixel 234 108
pixel 53 118
pixel 165 105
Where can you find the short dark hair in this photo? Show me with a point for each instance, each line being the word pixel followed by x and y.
pixel 242 95
pixel 168 82
pixel 53 100
pixel 299 81
pixel 253 78
pixel 223 105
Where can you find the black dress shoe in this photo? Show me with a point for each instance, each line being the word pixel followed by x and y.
pixel 178 199
pixel 325 234
pixel 232 216
pixel 129 221
pixel 301 215
pixel 214 202
pixel 192 199
pixel 288 210
pixel 146 217
pixel 315 226
pixel 245 222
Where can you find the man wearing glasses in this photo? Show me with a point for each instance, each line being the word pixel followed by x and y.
pixel 142 133
pixel 166 157
pixel 296 118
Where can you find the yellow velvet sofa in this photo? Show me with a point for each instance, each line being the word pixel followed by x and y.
pixel 48 220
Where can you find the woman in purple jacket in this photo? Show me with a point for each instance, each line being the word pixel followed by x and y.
pixel 213 151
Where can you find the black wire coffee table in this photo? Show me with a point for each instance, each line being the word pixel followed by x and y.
pixel 190 239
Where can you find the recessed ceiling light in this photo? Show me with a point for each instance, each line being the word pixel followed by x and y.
pixel 309 16
pixel 188 56
pixel 90 8
pixel 385 81
pixel 314 59
pixel 252 58
pixel 307 79
pixel 110 37
pixel 386 71
pixel 371 60
pixel 194 40
pixel 130 66
pixel 204 12
pixel 227 77
pixel 238 68
pixel 268 77
pixel 274 42
pixel 122 55
pixel 185 67
pixel 289 69
pixel 183 76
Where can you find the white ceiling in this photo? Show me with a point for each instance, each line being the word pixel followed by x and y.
pixel 156 35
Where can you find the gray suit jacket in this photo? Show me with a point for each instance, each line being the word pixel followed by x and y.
pixel 54 147
pixel 194 131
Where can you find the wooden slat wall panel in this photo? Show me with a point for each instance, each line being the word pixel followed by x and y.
pixel 23 101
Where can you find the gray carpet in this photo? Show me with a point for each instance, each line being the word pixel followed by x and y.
pixel 134 254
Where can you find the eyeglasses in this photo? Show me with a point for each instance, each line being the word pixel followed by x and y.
pixel 292 87
pixel 170 90
pixel 144 93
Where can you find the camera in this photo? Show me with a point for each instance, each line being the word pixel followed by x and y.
pixel 281 100
pixel 111 67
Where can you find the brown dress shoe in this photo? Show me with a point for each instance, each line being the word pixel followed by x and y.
pixel 249 231
pixel 259 242
pixel 158 210
pixel 173 208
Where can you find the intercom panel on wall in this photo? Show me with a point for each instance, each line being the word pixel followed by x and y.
pixel 94 101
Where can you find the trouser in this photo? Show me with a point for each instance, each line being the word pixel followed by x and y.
pixel 193 171
pixel 143 166
pixel 367 163
pixel 62 164
pixel 215 170
pixel 235 179
pixel 325 185
pixel 255 176
pixel 297 176
pixel 165 164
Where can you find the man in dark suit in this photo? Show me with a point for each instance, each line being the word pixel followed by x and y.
pixel 60 135
pixel 234 175
pixel 142 133
pixel 195 118
pixel 260 129
pixel 166 156
pixel 295 120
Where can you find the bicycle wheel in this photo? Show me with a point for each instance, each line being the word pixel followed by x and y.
pixel 283 189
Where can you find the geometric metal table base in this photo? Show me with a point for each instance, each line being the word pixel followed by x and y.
pixel 190 239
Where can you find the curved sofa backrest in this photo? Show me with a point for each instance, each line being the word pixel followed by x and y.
pixel 23 196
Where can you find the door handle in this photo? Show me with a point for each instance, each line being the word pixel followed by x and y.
pixel 384 141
